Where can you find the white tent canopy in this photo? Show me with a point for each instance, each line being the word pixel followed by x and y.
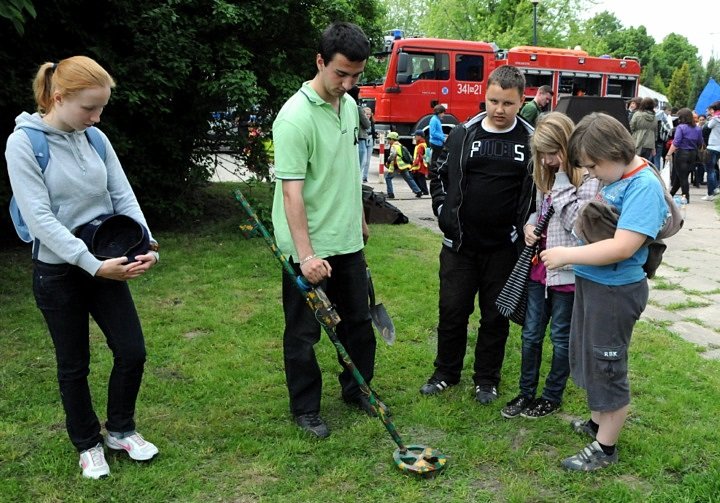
pixel 646 92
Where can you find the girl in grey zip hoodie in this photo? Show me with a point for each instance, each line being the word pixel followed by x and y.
pixel 75 187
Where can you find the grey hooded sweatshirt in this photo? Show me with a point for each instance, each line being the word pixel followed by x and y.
pixel 75 188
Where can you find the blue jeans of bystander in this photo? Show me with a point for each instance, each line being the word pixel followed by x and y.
pixel 710 169
pixel 556 307
pixel 362 154
pixel 405 173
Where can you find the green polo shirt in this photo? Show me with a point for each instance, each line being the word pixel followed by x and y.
pixel 530 112
pixel 316 144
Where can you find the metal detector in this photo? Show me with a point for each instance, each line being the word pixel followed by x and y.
pixel 417 460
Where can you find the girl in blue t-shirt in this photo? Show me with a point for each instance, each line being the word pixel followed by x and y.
pixel 611 289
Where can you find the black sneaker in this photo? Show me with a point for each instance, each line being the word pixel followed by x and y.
pixel 540 407
pixel 515 406
pixel 583 428
pixel 312 423
pixel 486 393
pixel 435 385
pixel 391 196
pixel 418 194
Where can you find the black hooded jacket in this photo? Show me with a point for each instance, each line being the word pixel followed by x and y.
pixel 448 186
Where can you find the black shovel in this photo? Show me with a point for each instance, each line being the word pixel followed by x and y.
pixel 380 318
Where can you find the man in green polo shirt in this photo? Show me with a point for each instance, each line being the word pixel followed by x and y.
pixel 319 221
pixel 532 109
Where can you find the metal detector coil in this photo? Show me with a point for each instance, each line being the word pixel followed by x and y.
pixel 420 460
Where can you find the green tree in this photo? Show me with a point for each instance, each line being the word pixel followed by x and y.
pixel 712 69
pixel 631 42
pixel 671 53
pixel 16 11
pixel 406 15
pixel 680 87
pixel 656 84
pixel 591 35
pixel 508 23
pixel 175 62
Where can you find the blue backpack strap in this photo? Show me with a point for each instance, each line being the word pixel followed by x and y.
pixel 96 140
pixel 39 145
pixel 40 148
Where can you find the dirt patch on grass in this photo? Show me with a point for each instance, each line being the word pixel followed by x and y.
pixel 195 333
pixel 168 374
pixel 489 481
pixel 642 486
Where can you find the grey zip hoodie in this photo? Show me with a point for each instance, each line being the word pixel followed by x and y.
pixel 75 188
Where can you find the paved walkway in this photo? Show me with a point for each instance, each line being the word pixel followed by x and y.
pixel 684 295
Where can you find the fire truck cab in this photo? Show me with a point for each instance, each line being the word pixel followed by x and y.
pixel 424 72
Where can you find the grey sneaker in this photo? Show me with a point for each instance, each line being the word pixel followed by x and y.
pixel 515 406
pixel 583 427
pixel 486 393
pixel 435 385
pixel 540 408
pixel 591 458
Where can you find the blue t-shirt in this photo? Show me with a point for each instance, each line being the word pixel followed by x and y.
pixel 437 137
pixel 641 202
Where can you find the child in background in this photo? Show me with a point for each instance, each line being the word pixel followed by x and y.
pixel 419 169
pixel 396 162
pixel 550 293
pixel 611 289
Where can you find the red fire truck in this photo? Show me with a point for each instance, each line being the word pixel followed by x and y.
pixel 424 72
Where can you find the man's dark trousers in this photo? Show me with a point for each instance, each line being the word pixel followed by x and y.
pixel 347 289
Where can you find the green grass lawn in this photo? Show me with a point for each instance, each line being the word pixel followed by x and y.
pixel 214 397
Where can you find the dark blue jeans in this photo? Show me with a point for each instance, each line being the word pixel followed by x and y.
pixel 463 276
pixel 710 168
pixel 347 288
pixel 67 296
pixel 405 174
pixel 557 307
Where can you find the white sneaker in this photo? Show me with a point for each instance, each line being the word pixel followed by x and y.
pixel 707 198
pixel 135 445
pixel 93 464
pixel 716 191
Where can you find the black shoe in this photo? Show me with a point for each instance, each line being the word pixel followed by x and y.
pixel 362 402
pixel 540 408
pixel 515 406
pixel 486 393
pixel 418 194
pixel 425 193
pixel 391 196
pixel 435 385
pixel 312 423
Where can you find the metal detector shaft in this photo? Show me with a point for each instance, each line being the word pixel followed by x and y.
pixel 326 316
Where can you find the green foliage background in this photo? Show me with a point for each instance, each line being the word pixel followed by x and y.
pixel 175 61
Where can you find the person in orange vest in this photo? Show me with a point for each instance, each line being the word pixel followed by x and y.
pixel 419 169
